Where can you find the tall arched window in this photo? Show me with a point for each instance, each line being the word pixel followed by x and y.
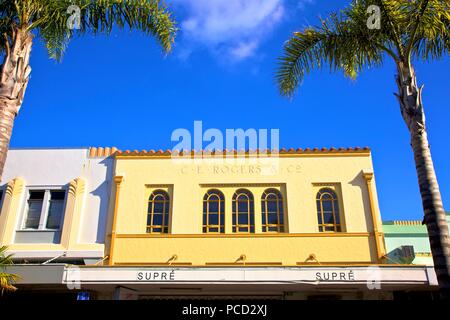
pixel 158 212
pixel 272 211
pixel 328 210
pixel 213 212
pixel 243 212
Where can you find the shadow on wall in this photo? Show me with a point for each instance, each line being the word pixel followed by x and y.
pixel 401 255
pixel 103 191
pixel 360 182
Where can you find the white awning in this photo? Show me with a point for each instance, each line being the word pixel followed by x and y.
pixel 314 275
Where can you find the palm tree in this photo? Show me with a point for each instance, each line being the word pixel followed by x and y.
pixel 6 279
pixel 55 22
pixel 352 40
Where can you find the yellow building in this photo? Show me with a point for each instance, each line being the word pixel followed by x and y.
pixel 295 208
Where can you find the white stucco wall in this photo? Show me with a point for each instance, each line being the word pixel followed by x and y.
pixel 57 167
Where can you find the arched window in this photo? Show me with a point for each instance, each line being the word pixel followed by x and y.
pixel 243 212
pixel 158 212
pixel 272 211
pixel 213 212
pixel 328 210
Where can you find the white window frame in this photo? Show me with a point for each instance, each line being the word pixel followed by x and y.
pixel 45 208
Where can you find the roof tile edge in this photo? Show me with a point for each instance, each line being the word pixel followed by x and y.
pixel 99 152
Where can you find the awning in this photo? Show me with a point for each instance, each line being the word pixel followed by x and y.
pixel 310 275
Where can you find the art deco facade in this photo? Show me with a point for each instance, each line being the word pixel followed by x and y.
pixel 55 203
pixel 210 212
pixel 298 224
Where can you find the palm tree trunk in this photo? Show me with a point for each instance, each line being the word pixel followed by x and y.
pixel 14 76
pixel 410 98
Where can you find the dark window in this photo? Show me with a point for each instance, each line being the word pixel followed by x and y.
pixel 35 203
pixel 243 212
pixel 272 211
pixel 158 212
pixel 55 209
pixel 214 212
pixel 328 215
pixel 45 205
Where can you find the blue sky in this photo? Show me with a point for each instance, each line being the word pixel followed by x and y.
pixel 122 91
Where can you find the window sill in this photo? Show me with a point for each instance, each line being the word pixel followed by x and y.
pixel 248 235
pixel 37 236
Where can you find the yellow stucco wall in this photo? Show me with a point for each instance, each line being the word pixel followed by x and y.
pixel 257 249
pixel 297 176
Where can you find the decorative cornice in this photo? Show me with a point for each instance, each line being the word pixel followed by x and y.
pixel 15 186
pixel 10 188
pixel 76 186
pixel 118 180
pixel 239 153
pixel 368 175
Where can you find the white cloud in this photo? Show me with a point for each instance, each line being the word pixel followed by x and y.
pixel 233 27
pixel 244 50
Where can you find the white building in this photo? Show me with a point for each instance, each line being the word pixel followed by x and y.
pixel 55 205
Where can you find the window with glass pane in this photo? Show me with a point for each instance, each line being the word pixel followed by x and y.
pixel 272 211
pixel 328 211
pixel 55 209
pixel 214 212
pixel 158 212
pixel 44 209
pixel 34 209
pixel 243 212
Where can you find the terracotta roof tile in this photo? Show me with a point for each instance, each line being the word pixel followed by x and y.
pixel 111 151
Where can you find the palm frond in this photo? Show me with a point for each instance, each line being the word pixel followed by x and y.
pixel 6 279
pixel 5 260
pixel 338 42
pixel 6 282
pixel 6 21
pixel 150 17
pixel 48 19
pixel 432 38
pixel 409 29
